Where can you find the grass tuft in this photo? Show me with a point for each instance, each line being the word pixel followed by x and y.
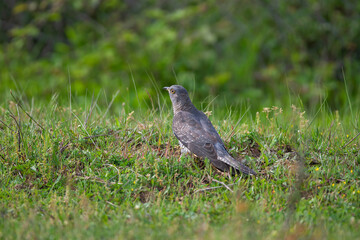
pixel 91 172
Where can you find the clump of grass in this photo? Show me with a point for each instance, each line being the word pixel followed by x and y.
pixel 85 173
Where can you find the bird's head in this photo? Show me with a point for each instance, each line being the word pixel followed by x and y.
pixel 179 97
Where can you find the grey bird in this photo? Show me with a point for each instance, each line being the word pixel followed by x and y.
pixel 197 135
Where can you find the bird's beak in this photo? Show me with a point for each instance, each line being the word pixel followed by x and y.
pixel 166 88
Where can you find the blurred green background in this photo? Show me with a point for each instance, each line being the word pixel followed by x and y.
pixel 257 52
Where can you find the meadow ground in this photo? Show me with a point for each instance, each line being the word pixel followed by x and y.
pixel 87 172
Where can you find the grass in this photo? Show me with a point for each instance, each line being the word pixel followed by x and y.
pixel 94 172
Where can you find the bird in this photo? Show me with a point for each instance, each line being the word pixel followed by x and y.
pixel 197 135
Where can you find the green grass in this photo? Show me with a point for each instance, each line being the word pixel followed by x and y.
pixel 96 171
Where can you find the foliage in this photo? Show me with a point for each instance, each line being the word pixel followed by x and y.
pixel 86 148
pixel 259 52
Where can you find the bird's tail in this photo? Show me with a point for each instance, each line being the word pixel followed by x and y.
pixel 225 157
pixel 244 169
pixel 239 166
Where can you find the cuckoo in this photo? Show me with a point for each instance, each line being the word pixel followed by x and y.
pixel 197 135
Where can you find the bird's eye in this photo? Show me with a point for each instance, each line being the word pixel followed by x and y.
pixel 172 91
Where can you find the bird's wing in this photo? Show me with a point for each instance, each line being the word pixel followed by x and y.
pixel 204 143
pixel 188 129
pixel 207 125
